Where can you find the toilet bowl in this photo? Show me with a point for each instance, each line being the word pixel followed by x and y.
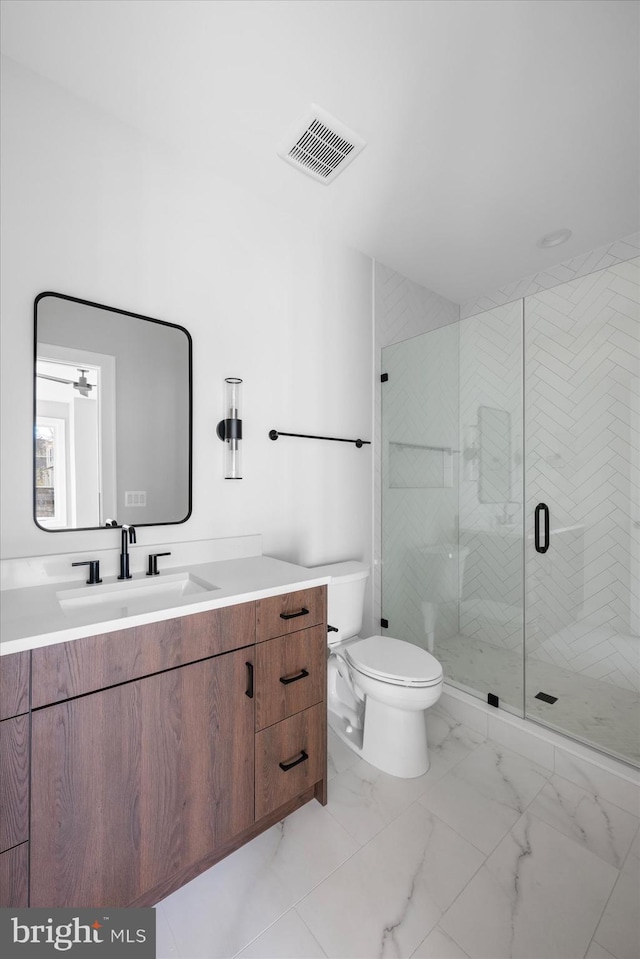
pixel 378 687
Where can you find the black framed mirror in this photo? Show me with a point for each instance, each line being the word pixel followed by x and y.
pixel 112 422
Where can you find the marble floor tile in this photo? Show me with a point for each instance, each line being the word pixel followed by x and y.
pixel 592 821
pixel 485 794
pixel 631 865
pixel 339 756
pixel 288 938
pixel 438 945
pixel 364 799
pixel 386 899
pixel 538 896
pixel 255 885
pixel 581 766
pixel 619 929
pixel 449 740
pixel 309 845
pixel 595 951
pixel 431 868
pixel 221 911
pixel 166 947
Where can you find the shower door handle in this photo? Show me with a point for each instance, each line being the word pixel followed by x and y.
pixel 542 543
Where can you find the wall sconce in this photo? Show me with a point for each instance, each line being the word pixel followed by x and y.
pixel 229 429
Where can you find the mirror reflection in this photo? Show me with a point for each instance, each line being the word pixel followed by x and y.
pixel 494 482
pixel 112 417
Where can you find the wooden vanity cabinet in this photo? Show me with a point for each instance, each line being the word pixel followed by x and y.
pixel 14 779
pixel 158 750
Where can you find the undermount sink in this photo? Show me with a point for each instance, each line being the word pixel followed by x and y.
pixel 135 595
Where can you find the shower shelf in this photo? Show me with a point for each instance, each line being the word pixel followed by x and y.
pixel 410 469
pixel 419 446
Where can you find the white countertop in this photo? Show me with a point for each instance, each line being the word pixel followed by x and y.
pixel 32 615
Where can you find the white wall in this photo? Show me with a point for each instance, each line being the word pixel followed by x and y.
pixel 92 209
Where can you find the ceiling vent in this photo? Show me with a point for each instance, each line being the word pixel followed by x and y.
pixel 320 145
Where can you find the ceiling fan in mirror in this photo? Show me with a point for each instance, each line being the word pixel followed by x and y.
pixel 82 385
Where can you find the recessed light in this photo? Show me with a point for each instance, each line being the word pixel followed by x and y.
pixel 554 239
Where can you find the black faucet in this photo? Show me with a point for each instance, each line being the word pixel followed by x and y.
pixel 128 536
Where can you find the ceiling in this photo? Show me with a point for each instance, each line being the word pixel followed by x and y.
pixel 488 123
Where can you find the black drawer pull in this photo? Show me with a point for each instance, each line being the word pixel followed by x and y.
pixel 295 762
pixel 301 612
pixel 285 680
pixel 249 690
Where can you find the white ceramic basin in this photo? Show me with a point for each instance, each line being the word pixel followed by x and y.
pixel 134 595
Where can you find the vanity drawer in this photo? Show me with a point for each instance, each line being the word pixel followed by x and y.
pixel 290 674
pixel 289 613
pixel 290 757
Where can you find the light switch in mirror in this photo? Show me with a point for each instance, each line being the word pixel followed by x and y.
pixel 112 417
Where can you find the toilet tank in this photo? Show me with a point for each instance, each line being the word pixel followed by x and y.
pixel 345 598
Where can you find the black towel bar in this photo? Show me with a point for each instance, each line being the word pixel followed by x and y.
pixel 274 434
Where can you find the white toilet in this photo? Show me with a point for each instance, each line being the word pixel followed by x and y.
pixel 378 688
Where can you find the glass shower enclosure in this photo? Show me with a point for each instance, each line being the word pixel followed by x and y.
pixel 511 505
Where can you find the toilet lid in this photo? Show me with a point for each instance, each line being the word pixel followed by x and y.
pixel 394 661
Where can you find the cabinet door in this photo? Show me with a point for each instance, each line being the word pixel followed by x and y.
pixel 14 872
pixel 14 684
pixel 135 783
pixel 14 781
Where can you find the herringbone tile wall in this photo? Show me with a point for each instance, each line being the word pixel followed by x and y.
pixel 582 422
pixel 600 259
pixel 491 608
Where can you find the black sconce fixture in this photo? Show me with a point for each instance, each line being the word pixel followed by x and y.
pixel 229 430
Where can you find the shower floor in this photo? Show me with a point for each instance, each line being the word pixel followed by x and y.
pixel 593 711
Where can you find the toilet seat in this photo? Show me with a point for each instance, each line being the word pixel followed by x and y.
pixel 394 661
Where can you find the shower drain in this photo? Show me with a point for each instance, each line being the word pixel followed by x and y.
pixel 546 698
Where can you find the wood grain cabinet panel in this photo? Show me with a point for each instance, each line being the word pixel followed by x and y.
pixel 278 615
pixel 134 784
pixel 95 662
pixel 14 684
pixel 14 781
pixel 14 874
pixel 290 757
pixel 290 674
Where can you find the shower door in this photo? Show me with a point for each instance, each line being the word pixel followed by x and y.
pixel 452 500
pixel 511 505
pixel 582 559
